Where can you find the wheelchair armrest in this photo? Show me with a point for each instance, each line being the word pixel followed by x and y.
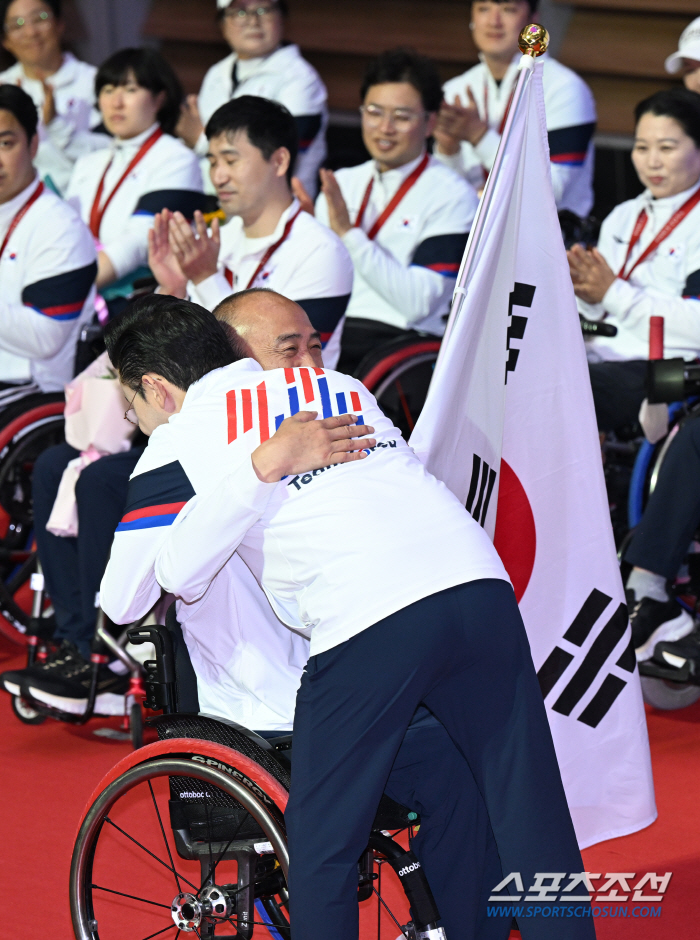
pixel 160 673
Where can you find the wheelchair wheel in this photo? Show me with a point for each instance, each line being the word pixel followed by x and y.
pixel 28 427
pixel 182 836
pixel 668 696
pixel 398 374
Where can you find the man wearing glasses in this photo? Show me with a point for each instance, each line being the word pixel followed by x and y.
pixel 262 64
pixel 403 216
pixel 62 88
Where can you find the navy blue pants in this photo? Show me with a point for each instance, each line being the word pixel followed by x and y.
pixel 672 515
pixel 73 567
pixel 464 654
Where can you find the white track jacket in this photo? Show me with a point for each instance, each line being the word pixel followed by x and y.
pixel 406 275
pixel 248 664
pixel 47 273
pixel 72 132
pixel 335 550
pixel 286 77
pixel 168 177
pixel 311 267
pixel 667 284
pixel 571 119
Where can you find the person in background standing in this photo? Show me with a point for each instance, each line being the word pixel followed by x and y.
pixel 62 88
pixel 687 59
pixel 262 64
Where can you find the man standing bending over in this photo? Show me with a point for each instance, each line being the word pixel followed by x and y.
pixel 407 603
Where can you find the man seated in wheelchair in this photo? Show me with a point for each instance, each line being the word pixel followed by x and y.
pixel 47 263
pixel 403 216
pixel 354 543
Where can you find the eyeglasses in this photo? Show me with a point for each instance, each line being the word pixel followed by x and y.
pixel 130 409
pixel 42 18
pixel 241 14
pixel 401 118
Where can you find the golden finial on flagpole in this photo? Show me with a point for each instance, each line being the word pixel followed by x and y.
pixel 533 40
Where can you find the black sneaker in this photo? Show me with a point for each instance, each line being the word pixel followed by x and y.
pixel 67 690
pixel 683 655
pixel 654 621
pixel 66 653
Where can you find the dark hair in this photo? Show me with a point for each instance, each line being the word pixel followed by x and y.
pixel 18 102
pixel 406 65
pixel 677 103
pixel 533 3
pixel 53 5
pixel 174 338
pixel 151 71
pixel 269 126
pixel 282 4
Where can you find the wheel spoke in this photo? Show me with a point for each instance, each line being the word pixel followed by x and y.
pixel 404 405
pixel 159 932
pixel 388 910
pixel 167 846
pixel 148 851
pixel 212 871
pixel 132 896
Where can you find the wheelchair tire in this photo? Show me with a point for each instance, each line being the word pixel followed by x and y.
pixel 398 374
pixel 27 428
pixel 26 714
pixel 157 873
pixel 668 696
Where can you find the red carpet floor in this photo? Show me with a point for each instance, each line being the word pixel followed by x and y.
pixel 48 773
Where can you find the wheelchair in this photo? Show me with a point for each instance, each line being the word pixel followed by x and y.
pixel 678 384
pixel 187 835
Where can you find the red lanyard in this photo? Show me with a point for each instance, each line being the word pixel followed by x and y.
pixel 97 214
pixel 502 125
pixel 663 234
pixel 20 215
pixel 407 184
pixel 228 274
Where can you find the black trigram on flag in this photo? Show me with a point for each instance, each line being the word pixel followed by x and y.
pixel 480 489
pixel 592 663
pixel 520 296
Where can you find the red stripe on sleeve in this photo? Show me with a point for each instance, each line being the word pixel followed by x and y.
pixel 65 308
pixel 231 415
pixel 247 404
pixel 307 385
pixel 355 399
pixel 165 509
pixel 263 420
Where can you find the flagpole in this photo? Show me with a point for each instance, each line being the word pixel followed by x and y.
pixel 533 42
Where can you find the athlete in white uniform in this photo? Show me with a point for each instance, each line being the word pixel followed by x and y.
pixel 47 262
pixel 647 262
pixel 262 64
pixel 62 87
pixel 268 241
pixel 476 103
pixel 117 191
pixel 405 597
pixel 403 216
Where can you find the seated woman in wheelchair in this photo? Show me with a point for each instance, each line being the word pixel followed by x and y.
pixel 648 259
pixel 47 264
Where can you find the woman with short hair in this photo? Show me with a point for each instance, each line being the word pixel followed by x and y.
pixel 145 170
pixel 647 262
